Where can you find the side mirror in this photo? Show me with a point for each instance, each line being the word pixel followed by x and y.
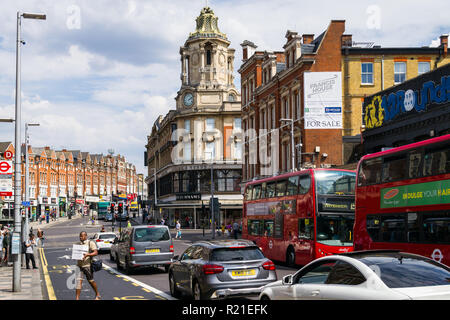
pixel 287 280
pixel 175 258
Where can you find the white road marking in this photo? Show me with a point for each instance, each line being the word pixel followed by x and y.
pixel 154 290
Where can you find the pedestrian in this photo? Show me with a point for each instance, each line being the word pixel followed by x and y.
pixel 223 229
pixel 144 215
pixel 103 229
pixel 129 224
pixel 29 253
pixel 162 221
pixel 40 235
pixel 235 229
pixel 84 266
pixel 178 228
pixel 6 245
pixel 1 244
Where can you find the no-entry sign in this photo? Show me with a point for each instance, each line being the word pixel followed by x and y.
pixel 6 167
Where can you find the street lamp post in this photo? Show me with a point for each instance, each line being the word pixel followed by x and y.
pixel 292 142
pixel 18 161
pixel 27 179
pixel 154 181
pixel 212 197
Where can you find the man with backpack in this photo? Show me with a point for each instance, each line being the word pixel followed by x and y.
pixel 29 251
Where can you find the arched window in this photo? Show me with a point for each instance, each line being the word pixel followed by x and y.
pixel 208 57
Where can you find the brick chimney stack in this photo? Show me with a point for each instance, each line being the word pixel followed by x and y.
pixel 444 43
pixel 347 40
pixel 308 38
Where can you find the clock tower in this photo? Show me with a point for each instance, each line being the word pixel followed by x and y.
pixel 207 79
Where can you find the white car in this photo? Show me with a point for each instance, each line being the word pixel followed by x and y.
pixel 364 275
pixel 104 240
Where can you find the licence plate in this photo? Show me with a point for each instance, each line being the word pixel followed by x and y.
pixel 106 241
pixel 151 250
pixel 243 273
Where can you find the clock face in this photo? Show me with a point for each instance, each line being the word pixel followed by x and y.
pixel 188 99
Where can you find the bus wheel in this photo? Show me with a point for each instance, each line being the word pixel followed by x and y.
pixel 290 257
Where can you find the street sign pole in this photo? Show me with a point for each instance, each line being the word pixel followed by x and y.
pixel 17 169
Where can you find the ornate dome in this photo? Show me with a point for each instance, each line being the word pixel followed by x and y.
pixel 207 26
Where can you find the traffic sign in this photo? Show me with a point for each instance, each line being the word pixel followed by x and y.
pixel 6 167
pixel 8 155
pixel 26 203
pixel 6 186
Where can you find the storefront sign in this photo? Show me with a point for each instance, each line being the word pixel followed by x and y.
pixel 420 194
pixel 323 100
pixel 92 199
pixel 188 196
pixel 413 96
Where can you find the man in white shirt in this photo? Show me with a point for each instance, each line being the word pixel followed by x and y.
pixel 29 253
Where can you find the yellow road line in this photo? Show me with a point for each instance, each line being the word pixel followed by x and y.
pixel 48 281
pixel 135 284
pixel 146 290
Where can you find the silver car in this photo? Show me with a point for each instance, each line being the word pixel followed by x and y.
pixel 219 269
pixel 365 275
pixel 143 246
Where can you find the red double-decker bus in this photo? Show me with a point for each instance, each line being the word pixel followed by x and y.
pixel 300 216
pixel 403 199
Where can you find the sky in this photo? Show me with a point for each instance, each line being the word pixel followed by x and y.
pixel 97 74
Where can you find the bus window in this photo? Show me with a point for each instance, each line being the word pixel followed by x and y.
pixel 436 227
pixel 263 190
pixel 415 158
pixel 305 184
pixel 373 227
pixel 256 192
pixel 393 228
pixel 281 188
pixel 413 227
pixel 436 162
pixel 292 186
pixel 306 229
pixel 270 189
pixel 394 168
pixel 268 227
pixel 248 193
pixel 335 182
pixel 335 230
pixel 370 172
pixel 254 227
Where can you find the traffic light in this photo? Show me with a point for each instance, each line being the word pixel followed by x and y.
pixel 120 209
pixel 113 205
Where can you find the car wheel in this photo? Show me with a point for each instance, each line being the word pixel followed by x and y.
pixel 197 291
pixel 117 262
pixel 265 298
pixel 128 268
pixel 173 287
pixel 290 257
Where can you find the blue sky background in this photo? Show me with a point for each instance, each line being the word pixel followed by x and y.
pixel 96 74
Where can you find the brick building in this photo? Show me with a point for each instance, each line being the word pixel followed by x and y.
pixel 273 88
pixel 60 179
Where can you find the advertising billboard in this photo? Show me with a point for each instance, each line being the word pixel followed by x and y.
pixel 323 100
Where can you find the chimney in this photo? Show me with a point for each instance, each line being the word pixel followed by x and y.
pixel 444 43
pixel 308 38
pixel 346 40
pixel 248 48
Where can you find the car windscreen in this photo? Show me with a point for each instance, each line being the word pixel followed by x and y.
pixel 404 272
pixel 107 236
pixel 151 234
pixel 236 254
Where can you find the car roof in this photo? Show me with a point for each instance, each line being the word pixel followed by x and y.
pixel 226 243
